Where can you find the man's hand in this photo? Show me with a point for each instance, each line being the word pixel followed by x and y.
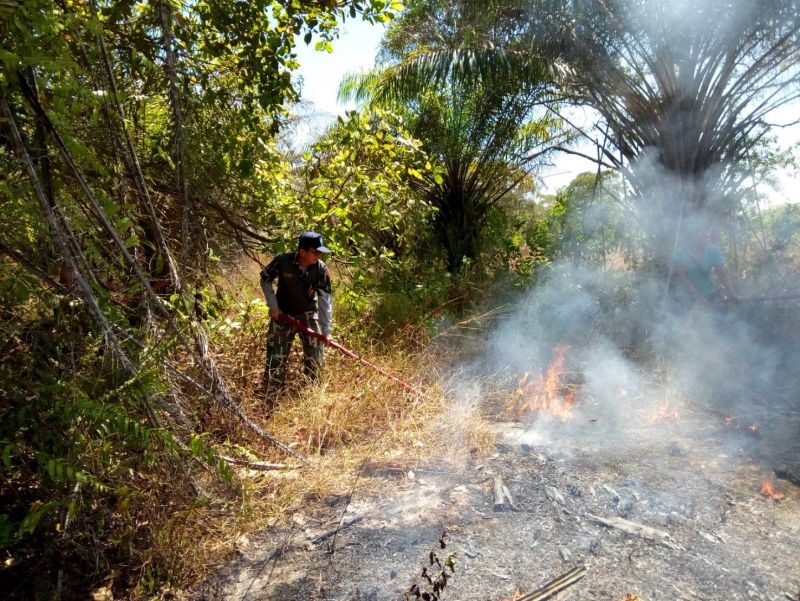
pixel 275 314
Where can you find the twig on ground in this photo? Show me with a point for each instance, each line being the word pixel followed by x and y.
pixel 501 494
pixel 272 556
pixel 340 526
pixel 635 529
pixel 332 546
pixel 259 465
pixel 556 586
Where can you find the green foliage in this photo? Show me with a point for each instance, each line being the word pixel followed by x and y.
pixel 585 221
pixel 357 188
pixel 93 464
pixel 66 435
pixel 79 457
pixel 356 185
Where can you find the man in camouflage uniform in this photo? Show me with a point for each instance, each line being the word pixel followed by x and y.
pixel 304 293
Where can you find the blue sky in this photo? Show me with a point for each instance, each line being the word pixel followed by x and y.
pixel 355 50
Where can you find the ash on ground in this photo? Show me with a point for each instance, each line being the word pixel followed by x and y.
pixel 693 484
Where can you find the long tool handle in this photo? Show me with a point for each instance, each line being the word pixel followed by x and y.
pixel 770 299
pixel 758 299
pixel 346 352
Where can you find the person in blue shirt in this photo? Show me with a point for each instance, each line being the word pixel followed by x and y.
pixel 699 270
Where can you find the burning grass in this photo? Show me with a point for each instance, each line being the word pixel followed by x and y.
pixel 769 491
pixel 666 412
pixel 753 429
pixel 546 394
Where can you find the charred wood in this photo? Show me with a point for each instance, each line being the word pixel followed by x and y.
pixel 501 495
pixel 640 530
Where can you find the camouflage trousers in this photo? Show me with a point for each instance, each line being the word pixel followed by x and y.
pixel 279 344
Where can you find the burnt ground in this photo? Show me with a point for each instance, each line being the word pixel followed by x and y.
pixel 693 479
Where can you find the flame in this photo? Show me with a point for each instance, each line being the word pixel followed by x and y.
pixel 664 413
pixel 753 429
pixel 769 491
pixel 547 393
pixel 515 595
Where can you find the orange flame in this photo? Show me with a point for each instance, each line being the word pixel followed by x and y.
pixel 769 491
pixel 515 595
pixel 546 393
pixel 753 429
pixel 664 413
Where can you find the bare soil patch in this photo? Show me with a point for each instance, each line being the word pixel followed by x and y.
pixel 694 480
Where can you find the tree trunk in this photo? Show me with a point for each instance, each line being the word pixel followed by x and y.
pixel 167 41
pixel 135 168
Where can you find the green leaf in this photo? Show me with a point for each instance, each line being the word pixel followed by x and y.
pixel 124 224
pixel 9 59
pixel 37 511
pixel 8 451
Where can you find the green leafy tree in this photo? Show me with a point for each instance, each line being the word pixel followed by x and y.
pixel 354 184
pixel 136 139
pixel 588 220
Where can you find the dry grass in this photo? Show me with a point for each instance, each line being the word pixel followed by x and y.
pixel 353 419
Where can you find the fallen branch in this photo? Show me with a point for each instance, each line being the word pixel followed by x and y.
pixel 635 529
pixel 341 526
pixel 553 587
pixel 259 465
pixel 554 495
pixel 760 299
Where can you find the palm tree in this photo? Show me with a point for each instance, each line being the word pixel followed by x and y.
pixel 685 88
pixel 486 134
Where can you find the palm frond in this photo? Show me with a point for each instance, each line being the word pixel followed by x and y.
pixel 474 66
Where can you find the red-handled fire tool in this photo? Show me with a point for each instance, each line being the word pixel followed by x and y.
pixel 346 352
pixel 764 299
pixel 756 299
